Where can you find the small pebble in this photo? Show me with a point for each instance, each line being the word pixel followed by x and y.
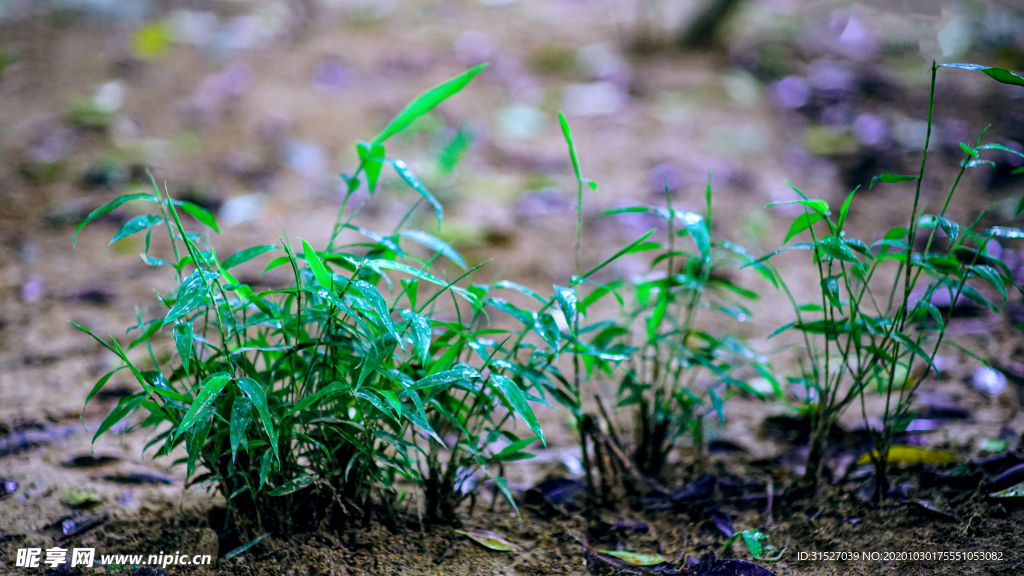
pixel 989 381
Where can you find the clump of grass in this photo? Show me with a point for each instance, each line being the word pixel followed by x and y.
pixel 679 372
pixel 868 332
pixel 303 406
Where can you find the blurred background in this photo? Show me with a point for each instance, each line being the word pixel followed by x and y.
pixel 251 108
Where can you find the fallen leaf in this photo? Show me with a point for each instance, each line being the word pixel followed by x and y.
pixel 1011 492
pixel 74 498
pixel 489 539
pixel 634 558
pixel 911 455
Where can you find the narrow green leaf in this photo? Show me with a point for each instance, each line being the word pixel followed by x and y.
pixel 615 256
pixel 998 74
pixel 191 293
pixel 506 284
pixel 888 178
pixel 183 335
pixel 717 404
pixel 517 401
pixel 567 134
pixel 427 101
pixel 376 301
pixel 834 247
pixel 241 549
pixel 915 348
pixel 94 337
pixel 202 215
pixel 845 209
pixel 137 224
pixel 801 223
pixel 406 174
pixel 265 466
pixel 372 158
pixel 992 276
pixel 697 226
pixel 780 250
pixel 830 287
pixel 123 408
pixel 522 316
pixel 977 297
pixel 246 255
pixel 566 298
pixel 109 207
pixel 420 328
pixel 196 438
pixel 319 271
pixel 211 387
pixel 817 205
pixel 241 416
pixel 254 391
pixel 294 485
pixel 459 372
pixel 435 244
pixel 100 384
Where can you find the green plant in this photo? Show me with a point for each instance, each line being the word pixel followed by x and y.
pixel 299 405
pixel 871 325
pixel 679 372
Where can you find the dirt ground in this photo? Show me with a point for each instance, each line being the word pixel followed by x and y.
pixel 255 117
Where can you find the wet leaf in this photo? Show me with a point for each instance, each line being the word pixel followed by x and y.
pixel 192 291
pixel 254 391
pixel 241 416
pixel 517 400
pixel 211 387
pixel 489 539
pixel 183 336
pixel 294 485
pixel 566 298
pixel 135 225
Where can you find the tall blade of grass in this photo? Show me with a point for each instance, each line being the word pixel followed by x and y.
pixel 426 102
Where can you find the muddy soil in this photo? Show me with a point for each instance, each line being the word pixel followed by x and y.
pixel 256 118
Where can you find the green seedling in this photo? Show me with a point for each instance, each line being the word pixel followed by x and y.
pixel 867 334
